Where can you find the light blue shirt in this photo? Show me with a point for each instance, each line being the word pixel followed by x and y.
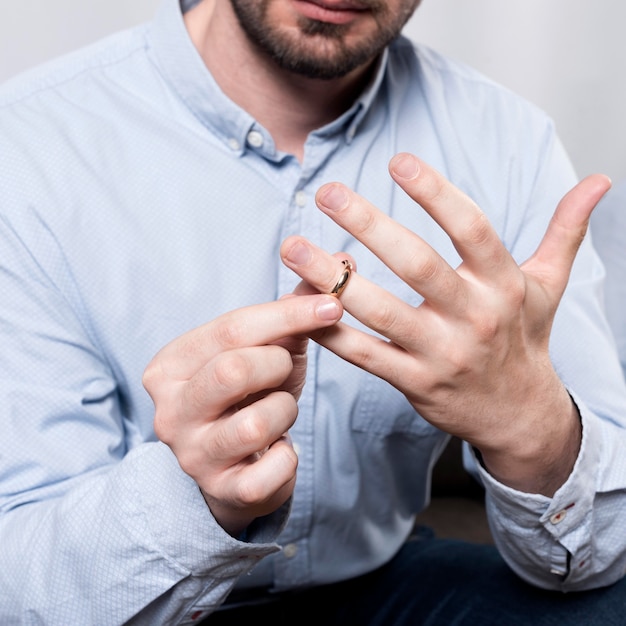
pixel 137 202
pixel 608 227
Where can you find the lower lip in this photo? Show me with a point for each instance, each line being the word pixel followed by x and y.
pixel 321 14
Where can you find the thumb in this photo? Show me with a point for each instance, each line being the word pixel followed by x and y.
pixel 553 259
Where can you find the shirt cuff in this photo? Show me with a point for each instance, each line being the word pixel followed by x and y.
pixel 566 517
pixel 179 524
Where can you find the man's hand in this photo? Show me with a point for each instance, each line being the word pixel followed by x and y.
pixel 473 357
pixel 225 396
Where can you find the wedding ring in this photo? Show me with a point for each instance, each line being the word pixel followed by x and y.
pixel 343 279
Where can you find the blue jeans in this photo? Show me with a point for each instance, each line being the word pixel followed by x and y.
pixel 435 582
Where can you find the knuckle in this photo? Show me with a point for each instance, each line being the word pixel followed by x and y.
pixel 250 493
pixel 485 321
pixel 459 361
pixel 288 460
pixel 366 224
pixel 282 359
pixel 517 291
pixel 362 356
pixel 479 231
pixel 433 189
pixel 228 334
pixel 192 465
pixel 487 329
pixel 252 430
pixel 231 371
pixel 163 427
pixel 425 269
pixel 152 377
pixel 386 317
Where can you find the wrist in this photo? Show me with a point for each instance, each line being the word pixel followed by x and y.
pixel 540 456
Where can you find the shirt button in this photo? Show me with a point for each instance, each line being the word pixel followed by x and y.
pixel 255 138
pixel 233 144
pixel 300 198
pixel 558 517
pixel 290 550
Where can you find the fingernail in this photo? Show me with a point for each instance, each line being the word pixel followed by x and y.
pixel 298 254
pixel 405 166
pixel 333 197
pixel 328 310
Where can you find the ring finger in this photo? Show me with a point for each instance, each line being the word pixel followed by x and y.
pixel 371 304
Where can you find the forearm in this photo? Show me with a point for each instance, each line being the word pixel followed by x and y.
pixel 134 536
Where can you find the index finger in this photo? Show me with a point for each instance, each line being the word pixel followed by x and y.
pixel 255 325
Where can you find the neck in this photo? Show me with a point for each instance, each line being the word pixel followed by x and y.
pixel 289 106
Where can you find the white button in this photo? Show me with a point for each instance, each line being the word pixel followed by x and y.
pixel 558 517
pixel 290 550
pixel 300 198
pixel 233 144
pixel 255 139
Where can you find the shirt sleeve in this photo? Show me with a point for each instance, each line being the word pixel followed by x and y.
pixel 608 227
pixel 96 525
pixel 135 539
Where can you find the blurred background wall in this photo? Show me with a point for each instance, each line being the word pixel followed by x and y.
pixel 567 56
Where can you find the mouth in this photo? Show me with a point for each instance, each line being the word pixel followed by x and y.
pixel 331 11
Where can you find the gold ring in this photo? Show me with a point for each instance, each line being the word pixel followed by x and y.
pixel 343 279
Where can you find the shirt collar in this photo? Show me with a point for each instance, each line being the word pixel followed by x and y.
pixel 183 68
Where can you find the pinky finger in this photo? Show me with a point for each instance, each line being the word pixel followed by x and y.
pixel 267 482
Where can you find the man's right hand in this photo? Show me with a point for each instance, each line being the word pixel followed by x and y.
pixel 225 396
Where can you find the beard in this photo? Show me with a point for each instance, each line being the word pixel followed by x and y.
pixel 319 49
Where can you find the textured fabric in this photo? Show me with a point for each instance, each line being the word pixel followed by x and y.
pixel 608 226
pixel 137 202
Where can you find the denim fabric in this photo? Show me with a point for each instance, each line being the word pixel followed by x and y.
pixel 436 582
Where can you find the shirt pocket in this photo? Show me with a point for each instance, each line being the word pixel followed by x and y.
pixel 383 410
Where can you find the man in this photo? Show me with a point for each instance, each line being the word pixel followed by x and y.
pixel 169 210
